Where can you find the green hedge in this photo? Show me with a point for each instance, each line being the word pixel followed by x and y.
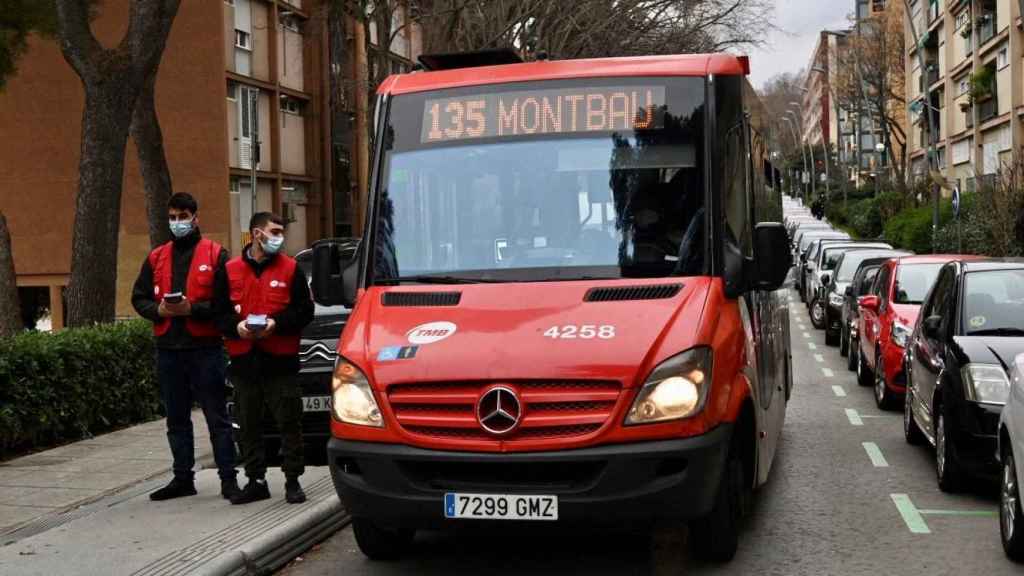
pixel 75 383
pixel 911 229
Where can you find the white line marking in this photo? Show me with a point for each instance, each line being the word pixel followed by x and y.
pixel 806 335
pixel 828 373
pixel 875 454
pixel 838 391
pixel 812 345
pixel 854 418
pixel 819 358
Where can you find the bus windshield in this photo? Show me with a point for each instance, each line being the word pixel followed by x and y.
pixel 543 181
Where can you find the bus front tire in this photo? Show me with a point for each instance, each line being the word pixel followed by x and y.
pixel 715 537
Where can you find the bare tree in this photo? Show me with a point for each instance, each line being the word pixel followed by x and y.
pixel 112 79
pixel 156 175
pixel 870 77
pixel 595 28
pixel 10 319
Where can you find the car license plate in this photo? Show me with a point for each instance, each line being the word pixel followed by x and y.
pixel 316 403
pixel 500 506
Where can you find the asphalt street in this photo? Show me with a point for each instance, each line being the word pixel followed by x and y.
pixel 847 496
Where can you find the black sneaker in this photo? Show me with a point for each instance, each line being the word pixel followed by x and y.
pixel 229 488
pixel 254 491
pixel 175 489
pixel 293 493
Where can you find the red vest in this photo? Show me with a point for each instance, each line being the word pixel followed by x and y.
pixel 268 293
pixel 198 286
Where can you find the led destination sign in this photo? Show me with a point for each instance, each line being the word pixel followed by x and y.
pixel 542 112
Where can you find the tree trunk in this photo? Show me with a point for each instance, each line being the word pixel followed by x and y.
pixel 10 318
pixel 156 176
pixel 92 291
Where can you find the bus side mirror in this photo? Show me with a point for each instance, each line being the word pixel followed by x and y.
pixel 334 273
pixel 771 259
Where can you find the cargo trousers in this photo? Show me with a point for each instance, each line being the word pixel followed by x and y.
pixel 279 395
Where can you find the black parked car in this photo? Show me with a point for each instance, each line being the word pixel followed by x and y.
pixel 317 351
pixel 836 298
pixel 970 329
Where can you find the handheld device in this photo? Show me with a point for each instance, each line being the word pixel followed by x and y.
pixel 256 322
pixel 173 297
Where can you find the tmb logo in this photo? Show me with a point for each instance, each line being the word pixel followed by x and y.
pixel 430 333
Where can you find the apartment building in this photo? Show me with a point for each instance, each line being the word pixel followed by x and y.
pixel 244 96
pixel 966 72
pixel 822 127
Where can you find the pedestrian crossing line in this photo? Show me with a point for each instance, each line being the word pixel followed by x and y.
pixel 838 391
pixel 854 417
pixel 910 514
pixel 828 373
pixel 812 345
pixel 875 454
pixel 819 358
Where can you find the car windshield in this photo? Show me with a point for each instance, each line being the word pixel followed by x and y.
pixel 544 181
pixel 851 261
pixel 913 282
pixel 994 302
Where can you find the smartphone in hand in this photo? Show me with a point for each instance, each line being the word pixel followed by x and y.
pixel 173 297
pixel 256 322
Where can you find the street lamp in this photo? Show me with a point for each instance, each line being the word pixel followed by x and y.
pixel 796 119
pixel 880 148
pixel 803 153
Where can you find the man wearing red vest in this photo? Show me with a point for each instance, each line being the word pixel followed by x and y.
pixel 262 304
pixel 174 290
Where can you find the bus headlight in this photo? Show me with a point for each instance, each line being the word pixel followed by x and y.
pixel 675 389
pixel 352 398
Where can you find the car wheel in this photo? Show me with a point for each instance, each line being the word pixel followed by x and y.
pixel 864 377
pixel 715 537
pixel 1011 517
pixel 911 431
pixel 947 469
pixel 844 341
pixel 884 398
pixel 831 338
pixel 378 543
pixel 817 313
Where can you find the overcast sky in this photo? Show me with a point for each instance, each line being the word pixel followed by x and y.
pixel 800 21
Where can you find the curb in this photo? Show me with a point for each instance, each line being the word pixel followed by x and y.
pixel 271 551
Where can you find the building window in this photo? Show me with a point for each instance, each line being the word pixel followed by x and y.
pixel 962 18
pixel 1002 60
pixel 242 40
pixel 963 86
pixel 292 106
pixel 292 24
pixel 232 90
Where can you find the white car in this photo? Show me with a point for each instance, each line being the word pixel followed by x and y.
pixel 1011 455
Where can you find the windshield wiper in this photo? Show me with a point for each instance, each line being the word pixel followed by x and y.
pixel 997 332
pixel 441 279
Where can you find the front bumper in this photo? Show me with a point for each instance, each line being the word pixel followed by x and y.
pixel 638 483
pixel 833 318
pixel 976 440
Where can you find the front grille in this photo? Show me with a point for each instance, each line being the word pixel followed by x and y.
pixel 550 409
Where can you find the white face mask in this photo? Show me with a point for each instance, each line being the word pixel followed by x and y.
pixel 272 244
pixel 180 228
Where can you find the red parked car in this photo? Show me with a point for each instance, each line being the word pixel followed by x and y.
pixel 887 316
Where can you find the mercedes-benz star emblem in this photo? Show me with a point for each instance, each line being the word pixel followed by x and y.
pixel 499 410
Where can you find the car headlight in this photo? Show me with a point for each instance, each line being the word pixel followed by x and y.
pixel 986 383
pixel 353 401
pixel 836 299
pixel 675 389
pixel 900 333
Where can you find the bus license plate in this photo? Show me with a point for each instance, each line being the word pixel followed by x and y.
pixel 316 403
pixel 500 506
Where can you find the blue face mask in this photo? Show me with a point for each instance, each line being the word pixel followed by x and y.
pixel 272 244
pixel 180 228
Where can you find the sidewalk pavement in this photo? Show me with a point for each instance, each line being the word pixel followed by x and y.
pixel 37 486
pixel 106 524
